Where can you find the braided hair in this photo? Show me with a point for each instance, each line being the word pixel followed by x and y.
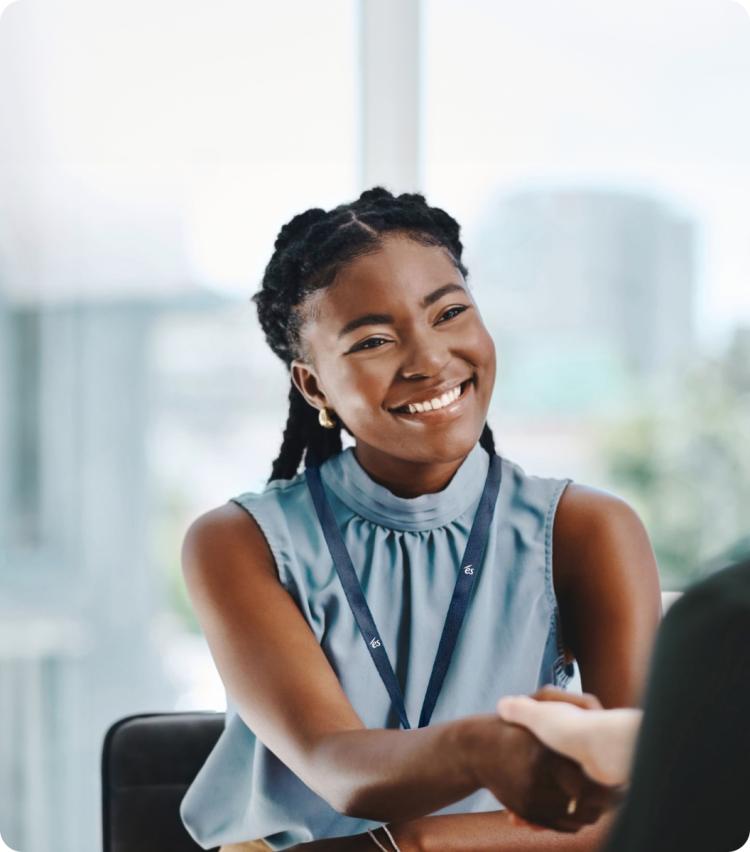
pixel 308 253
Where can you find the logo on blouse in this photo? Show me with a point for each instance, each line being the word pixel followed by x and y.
pixel 468 569
pixel 375 643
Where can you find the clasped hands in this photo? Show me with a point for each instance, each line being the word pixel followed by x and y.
pixel 583 761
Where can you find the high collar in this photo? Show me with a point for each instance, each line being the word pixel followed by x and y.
pixel 351 483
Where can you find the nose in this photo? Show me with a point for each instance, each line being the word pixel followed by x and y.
pixel 426 356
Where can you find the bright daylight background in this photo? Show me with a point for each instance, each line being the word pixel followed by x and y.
pixel 598 157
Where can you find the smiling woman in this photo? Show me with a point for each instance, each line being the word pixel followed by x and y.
pixel 408 344
pixel 410 576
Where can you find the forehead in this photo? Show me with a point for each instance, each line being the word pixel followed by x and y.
pixel 398 274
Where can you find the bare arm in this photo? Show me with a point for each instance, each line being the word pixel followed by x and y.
pixel 482 832
pixel 272 664
pixel 607 586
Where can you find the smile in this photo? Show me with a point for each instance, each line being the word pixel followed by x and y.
pixel 449 402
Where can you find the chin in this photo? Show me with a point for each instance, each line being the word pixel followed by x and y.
pixel 447 448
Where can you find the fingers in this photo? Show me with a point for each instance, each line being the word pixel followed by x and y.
pixel 573 799
pixel 529 712
pixel 562 798
pixel 551 722
pixel 586 700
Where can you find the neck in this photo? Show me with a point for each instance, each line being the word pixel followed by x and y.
pixel 406 478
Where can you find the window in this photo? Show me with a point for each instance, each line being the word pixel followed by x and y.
pixel 597 156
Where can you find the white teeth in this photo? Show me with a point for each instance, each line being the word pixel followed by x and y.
pixel 439 402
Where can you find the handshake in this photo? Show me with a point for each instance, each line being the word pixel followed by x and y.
pixel 580 758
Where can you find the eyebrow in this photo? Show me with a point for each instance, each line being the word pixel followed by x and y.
pixel 384 319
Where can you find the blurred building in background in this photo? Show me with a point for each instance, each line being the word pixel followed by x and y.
pixel 599 274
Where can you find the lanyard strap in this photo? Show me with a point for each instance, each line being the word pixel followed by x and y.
pixel 470 565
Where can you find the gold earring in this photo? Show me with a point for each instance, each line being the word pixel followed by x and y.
pixel 325 419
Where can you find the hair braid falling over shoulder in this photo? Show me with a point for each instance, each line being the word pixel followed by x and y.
pixel 308 252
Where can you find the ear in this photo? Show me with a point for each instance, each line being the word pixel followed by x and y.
pixel 306 381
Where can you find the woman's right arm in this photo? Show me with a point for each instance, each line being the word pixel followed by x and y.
pixel 287 693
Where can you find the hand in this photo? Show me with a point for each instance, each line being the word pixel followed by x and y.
pixel 601 741
pixel 584 700
pixel 530 779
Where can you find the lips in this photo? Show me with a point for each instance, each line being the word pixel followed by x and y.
pixel 430 393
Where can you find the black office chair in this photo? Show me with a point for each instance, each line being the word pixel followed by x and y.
pixel 148 762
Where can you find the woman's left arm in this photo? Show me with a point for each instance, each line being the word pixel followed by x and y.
pixel 607 587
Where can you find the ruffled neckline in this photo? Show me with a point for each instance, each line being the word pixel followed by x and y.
pixel 351 483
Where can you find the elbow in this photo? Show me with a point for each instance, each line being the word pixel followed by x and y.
pixel 367 802
pixel 329 772
pixel 346 781
pixel 353 804
pixel 346 800
pixel 352 800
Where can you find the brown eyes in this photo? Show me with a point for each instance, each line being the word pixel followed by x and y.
pixel 449 314
pixel 459 308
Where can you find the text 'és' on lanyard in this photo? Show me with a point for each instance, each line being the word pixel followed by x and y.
pixel 470 565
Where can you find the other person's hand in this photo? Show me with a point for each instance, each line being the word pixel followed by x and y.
pixel 533 781
pixel 601 741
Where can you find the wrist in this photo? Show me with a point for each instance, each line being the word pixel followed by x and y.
pixel 408 835
pixel 472 736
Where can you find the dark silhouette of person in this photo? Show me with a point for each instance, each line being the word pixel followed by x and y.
pixel 690 782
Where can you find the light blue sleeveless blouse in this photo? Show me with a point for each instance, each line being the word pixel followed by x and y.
pixel 406 552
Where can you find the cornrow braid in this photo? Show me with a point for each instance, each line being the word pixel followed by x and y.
pixel 309 251
pixel 487 439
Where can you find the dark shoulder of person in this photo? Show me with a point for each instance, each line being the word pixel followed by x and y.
pixel 690 783
pixel 727 590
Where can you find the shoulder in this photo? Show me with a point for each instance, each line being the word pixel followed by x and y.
pixel 594 529
pixel 705 640
pixel 530 499
pixel 219 540
pixel 257 531
pixel 583 507
pixel 721 598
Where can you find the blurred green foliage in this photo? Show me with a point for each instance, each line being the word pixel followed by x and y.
pixel 684 463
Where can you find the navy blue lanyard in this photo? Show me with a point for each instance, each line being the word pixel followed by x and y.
pixel 470 565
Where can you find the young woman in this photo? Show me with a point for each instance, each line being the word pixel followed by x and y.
pixel 407 579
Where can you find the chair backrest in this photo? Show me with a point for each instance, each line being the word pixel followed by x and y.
pixel 148 762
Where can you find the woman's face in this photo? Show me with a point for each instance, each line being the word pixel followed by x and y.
pixel 398 326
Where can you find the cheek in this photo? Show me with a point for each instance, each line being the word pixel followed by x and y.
pixel 490 353
pixel 485 357
pixel 483 348
pixel 359 389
